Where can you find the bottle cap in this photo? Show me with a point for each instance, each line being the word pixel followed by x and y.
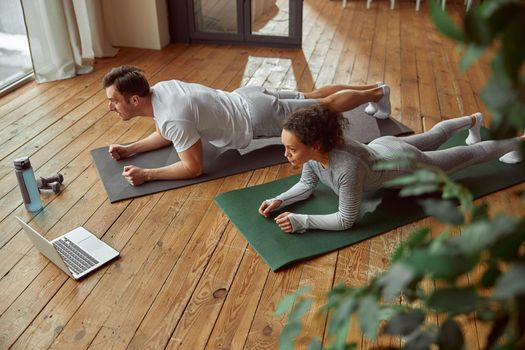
pixel 22 163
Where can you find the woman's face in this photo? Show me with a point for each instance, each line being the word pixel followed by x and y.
pixel 296 152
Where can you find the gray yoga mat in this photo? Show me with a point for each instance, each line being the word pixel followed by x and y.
pixel 220 163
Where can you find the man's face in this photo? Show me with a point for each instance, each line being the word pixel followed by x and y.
pixel 120 104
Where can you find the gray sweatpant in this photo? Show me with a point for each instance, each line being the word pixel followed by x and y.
pixel 268 109
pixel 424 146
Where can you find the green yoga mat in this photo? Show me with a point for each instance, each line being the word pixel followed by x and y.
pixel 279 249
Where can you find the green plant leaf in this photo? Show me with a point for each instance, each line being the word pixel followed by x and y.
pixel 287 302
pixel 395 279
pixel 450 336
pixel 288 335
pixel 480 212
pixel 300 309
pixel 422 341
pixel 402 181
pixel 443 210
pixel 386 312
pixel 342 313
pixel 294 326
pixel 489 277
pixel 417 237
pixel 477 28
pixel 420 176
pixel 453 190
pixel 404 323
pixel 513 51
pixel 446 265
pixel 368 316
pixel 443 22
pixel 476 237
pixel 472 53
pixel 419 189
pixel 441 243
pixel 399 161
pixel 350 346
pixel 454 300
pixel 341 333
pixel 509 234
pixel 510 283
pixel 315 344
pixel 498 93
pixel 515 113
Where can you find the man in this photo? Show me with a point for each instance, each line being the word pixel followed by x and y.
pixel 187 114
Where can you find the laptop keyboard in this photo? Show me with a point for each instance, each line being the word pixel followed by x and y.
pixel 76 259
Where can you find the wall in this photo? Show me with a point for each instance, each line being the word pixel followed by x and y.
pixel 137 23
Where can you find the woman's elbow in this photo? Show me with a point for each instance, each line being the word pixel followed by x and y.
pixel 346 224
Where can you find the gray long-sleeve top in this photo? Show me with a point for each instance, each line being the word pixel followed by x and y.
pixel 349 173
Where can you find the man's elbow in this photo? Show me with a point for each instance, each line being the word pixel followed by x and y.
pixel 195 170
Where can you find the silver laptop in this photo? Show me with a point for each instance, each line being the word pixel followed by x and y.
pixel 77 252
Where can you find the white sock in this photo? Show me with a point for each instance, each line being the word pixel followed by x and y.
pixel 511 157
pixel 474 135
pixel 383 106
pixel 371 108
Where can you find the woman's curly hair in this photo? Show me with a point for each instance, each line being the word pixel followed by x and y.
pixel 317 125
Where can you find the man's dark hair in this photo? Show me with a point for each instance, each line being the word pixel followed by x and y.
pixel 317 125
pixel 127 80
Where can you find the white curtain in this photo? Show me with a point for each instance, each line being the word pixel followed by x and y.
pixel 63 35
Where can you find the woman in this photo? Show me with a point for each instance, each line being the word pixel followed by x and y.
pixel 313 139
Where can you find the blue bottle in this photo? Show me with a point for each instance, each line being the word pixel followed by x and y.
pixel 27 183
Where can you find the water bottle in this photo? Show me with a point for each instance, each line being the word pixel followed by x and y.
pixel 27 183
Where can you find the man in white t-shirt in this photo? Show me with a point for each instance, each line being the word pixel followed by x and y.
pixel 187 114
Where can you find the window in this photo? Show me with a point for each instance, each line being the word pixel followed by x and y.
pixel 15 61
pixel 265 22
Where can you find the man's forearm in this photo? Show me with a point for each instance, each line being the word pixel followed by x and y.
pixel 152 142
pixel 176 171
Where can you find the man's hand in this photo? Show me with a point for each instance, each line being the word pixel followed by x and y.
pixel 268 206
pixel 134 175
pixel 284 222
pixel 119 151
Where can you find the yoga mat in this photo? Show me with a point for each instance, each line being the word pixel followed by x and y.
pixel 279 249
pixel 220 163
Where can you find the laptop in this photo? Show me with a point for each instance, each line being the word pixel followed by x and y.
pixel 77 252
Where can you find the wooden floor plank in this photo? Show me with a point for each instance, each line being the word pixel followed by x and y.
pixel 186 277
pixel 199 317
pixel 33 265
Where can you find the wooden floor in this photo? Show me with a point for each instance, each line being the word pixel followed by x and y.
pixel 186 278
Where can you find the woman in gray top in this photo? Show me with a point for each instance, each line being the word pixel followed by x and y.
pixel 313 139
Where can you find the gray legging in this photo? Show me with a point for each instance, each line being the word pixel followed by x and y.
pixel 268 109
pixel 451 159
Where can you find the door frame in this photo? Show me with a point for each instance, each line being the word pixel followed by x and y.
pixel 183 28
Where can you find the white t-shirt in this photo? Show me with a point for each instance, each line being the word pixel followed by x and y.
pixel 186 112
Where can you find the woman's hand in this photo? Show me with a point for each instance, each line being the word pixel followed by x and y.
pixel 268 206
pixel 284 222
